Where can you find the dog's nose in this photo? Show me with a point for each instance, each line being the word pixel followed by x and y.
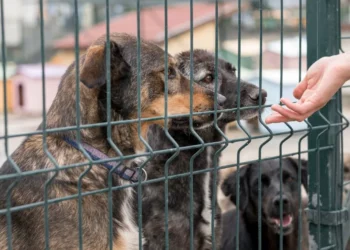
pixel 254 95
pixel 221 99
pixel 277 201
pixel 263 94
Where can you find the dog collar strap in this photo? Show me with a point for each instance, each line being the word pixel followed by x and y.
pixel 122 171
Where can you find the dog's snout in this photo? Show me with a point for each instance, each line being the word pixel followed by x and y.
pixel 221 99
pixel 277 201
pixel 254 94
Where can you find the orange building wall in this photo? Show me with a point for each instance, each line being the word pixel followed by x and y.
pixel 9 95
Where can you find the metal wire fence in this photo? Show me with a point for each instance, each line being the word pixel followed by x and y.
pixel 324 133
pixel 326 39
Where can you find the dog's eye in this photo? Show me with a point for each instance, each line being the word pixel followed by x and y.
pixel 288 179
pixel 265 180
pixel 208 78
pixel 171 73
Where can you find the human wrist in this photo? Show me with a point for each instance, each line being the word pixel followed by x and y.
pixel 344 64
pixel 339 67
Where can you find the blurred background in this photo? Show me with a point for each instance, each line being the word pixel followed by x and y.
pixel 24 69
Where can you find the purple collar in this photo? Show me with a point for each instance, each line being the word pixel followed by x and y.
pixel 126 173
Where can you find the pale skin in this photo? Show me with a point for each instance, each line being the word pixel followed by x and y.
pixel 323 79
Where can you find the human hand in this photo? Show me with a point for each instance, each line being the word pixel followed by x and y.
pixel 322 81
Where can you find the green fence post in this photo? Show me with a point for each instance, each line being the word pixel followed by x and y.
pixel 325 167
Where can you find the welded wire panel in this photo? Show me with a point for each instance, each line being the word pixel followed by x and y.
pixel 233 151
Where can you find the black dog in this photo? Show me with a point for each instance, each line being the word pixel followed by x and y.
pixel 179 195
pixel 270 193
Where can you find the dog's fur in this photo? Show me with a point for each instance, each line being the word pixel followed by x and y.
pixel 28 230
pixel 270 192
pixel 179 195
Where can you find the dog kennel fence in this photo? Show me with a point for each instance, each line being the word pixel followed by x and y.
pixel 328 213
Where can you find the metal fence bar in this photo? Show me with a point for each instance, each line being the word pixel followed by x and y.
pixel 185 174
pixel 261 122
pixel 192 130
pixel 300 208
pixel 319 127
pixel 166 130
pixel 101 124
pixel 290 128
pixel 139 111
pixel 280 146
pixel 323 168
pixel 77 127
pixel 13 164
pixel 239 123
pixel 166 167
pixel 109 128
pixel 217 128
pixel 44 134
pixel 339 171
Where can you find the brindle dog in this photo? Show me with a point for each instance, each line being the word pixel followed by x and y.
pixel 27 226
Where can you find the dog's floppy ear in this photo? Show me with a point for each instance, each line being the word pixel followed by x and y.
pixel 93 70
pixel 229 187
pixel 303 166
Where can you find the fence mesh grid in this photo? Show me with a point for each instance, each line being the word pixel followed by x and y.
pixel 324 132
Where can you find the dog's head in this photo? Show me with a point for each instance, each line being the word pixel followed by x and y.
pixel 204 74
pixel 125 75
pixel 270 191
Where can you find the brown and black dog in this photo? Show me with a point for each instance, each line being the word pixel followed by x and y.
pixel 178 196
pixel 27 226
